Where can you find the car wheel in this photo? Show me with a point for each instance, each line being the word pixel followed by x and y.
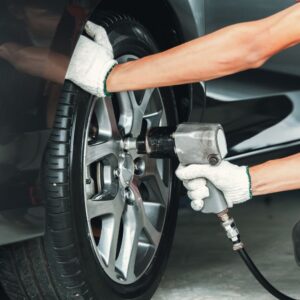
pixel 110 213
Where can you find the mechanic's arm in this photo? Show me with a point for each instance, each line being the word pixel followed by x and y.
pixel 240 183
pixel 229 50
pixel 276 175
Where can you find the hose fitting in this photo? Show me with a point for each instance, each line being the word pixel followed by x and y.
pixel 231 230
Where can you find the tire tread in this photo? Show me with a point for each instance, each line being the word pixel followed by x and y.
pixel 23 277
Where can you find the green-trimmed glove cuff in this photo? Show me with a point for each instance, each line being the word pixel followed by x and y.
pixel 250 183
pixel 105 91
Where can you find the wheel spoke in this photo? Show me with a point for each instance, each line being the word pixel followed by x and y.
pixel 110 235
pixel 154 181
pixel 153 119
pixel 126 112
pixel 95 152
pixel 145 100
pixel 132 227
pixel 152 233
pixel 163 190
pixel 99 208
pixel 132 113
pixel 139 111
pixel 107 126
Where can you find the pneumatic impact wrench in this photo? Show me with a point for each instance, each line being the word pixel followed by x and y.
pixel 199 143
pixel 192 143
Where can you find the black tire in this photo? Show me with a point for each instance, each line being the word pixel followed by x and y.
pixel 62 265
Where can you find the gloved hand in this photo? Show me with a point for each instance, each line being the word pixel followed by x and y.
pixel 232 180
pixel 91 61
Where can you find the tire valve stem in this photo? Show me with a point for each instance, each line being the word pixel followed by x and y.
pixel 121 278
pixel 231 230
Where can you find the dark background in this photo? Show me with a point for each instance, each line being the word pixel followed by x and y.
pixel 2 295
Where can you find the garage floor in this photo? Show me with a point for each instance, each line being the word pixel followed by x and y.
pixel 202 265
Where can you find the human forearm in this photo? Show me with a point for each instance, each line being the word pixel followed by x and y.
pixel 226 51
pixel 215 55
pixel 276 175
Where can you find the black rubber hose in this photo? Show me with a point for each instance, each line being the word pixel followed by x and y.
pixel 260 278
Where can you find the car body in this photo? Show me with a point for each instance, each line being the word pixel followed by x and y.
pixel 258 108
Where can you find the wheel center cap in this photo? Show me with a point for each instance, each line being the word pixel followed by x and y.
pixel 126 166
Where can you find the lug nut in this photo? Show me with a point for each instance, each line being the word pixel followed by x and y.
pixel 139 166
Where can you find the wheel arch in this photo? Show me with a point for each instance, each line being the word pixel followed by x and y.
pixel 157 16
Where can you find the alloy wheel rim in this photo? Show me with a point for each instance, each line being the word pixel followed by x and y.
pixel 126 194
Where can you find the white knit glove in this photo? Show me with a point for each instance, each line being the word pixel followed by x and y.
pixel 91 61
pixel 232 180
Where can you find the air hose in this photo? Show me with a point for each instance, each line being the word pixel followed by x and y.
pixel 260 278
pixel 233 234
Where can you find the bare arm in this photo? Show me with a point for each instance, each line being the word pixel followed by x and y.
pixel 229 50
pixel 276 175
